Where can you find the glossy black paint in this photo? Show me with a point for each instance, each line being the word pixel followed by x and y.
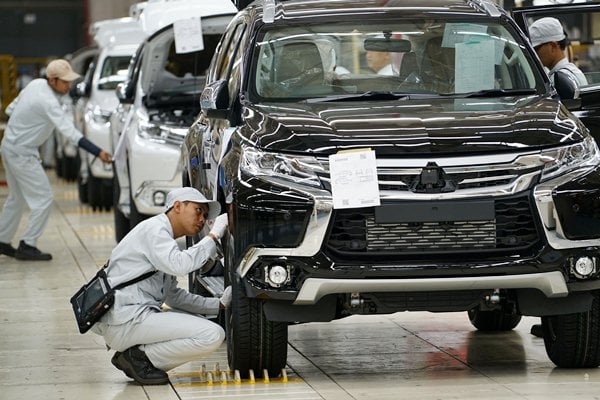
pixel 434 126
pixel 578 206
pixel 425 127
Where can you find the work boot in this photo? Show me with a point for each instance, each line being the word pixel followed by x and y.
pixel 7 249
pixel 136 365
pixel 27 252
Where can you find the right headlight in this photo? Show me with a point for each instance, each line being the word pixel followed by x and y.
pixel 300 170
pixel 565 159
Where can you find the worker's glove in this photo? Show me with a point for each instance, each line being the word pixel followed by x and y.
pixel 226 297
pixel 219 226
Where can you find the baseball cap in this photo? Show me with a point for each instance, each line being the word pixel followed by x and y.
pixel 193 195
pixel 61 69
pixel 546 30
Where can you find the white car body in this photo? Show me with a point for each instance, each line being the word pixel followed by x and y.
pixel 147 138
pixel 118 40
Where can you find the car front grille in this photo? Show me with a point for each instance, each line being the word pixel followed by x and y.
pixel 355 231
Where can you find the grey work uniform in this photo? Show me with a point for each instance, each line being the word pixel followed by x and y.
pixel 34 114
pixel 172 337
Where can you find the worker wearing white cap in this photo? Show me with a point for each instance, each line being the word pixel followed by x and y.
pixel 34 114
pixel 549 40
pixel 149 340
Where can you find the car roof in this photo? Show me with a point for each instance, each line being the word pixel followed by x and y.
pixel 304 8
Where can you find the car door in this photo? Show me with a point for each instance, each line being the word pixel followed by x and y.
pixel 582 24
pixel 216 132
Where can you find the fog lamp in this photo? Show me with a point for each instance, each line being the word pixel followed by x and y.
pixel 584 267
pixel 159 198
pixel 276 275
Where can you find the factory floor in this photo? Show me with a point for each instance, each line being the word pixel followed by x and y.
pixel 418 355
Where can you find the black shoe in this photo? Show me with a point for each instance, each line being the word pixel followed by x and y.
pixel 536 330
pixel 7 249
pixel 27 252
pixel 134 363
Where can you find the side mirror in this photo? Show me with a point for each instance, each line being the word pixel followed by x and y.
pixel 214 100
pixel 123 93
pixel 81 90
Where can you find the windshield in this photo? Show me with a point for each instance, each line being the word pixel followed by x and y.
pixel 433 57
pixel 113 72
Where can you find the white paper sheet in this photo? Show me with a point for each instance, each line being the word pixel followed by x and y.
pixel 354 181
pixel 474 66
pixel 188 35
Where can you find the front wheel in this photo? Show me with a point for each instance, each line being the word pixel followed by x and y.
pixel 573 340
pixel 253 342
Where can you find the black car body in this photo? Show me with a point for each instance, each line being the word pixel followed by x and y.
pixel 487 185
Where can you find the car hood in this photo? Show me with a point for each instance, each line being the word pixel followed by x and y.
pixel 442 126
pixel 105 99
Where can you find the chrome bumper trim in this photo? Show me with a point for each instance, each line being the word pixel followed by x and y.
pixel 552 284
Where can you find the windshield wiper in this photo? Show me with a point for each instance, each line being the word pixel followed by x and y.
pixel 498 93
pixel 370 95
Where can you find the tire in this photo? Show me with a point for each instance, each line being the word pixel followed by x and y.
pixel 253 342
pixel 70 168
pixel 58 166
pixel 121 221
pixel 494 320
pixel 106 194
pixel 94 192
pixel 82 189
pixel 573 340
pixel 135 217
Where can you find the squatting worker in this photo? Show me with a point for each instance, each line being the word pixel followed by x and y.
pixel 33 115
pixel 549 40
pixel 148 339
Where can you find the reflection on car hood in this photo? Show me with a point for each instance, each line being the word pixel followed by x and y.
pixel 415 127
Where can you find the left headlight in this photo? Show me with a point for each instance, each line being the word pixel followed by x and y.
pixel 159 133
pixel 300 170
pixel 100 116
pixel 565 159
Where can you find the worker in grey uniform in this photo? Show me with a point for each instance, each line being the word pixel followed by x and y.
pixel 150 340
pixel 33 115
pixel 550 41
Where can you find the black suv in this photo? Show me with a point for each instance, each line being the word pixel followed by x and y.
pixel 451 179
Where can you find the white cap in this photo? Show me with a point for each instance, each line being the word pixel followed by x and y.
pixel 546 30
pixel 193 195
pixel 61 69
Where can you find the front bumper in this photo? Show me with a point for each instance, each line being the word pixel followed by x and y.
pixel 154 170
pixel 540 257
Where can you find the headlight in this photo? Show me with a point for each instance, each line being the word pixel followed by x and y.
pixel 100 116
pixel 297 169
pixel 150 131
pixel 566 159
pixel 161 133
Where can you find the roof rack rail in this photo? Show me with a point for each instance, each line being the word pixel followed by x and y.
pixel 488 6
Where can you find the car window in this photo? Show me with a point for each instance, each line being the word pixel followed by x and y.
pixel 114 71
pixel 224 53
pixel 436 57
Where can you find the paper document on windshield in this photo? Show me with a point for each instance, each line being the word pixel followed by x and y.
pixel 188 35
pixel 354 181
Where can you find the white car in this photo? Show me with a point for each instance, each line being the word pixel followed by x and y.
pixel 159 101
pixel 118 40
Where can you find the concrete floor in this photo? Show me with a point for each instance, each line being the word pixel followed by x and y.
pixel 400 356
